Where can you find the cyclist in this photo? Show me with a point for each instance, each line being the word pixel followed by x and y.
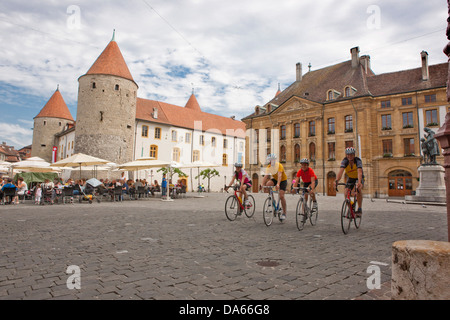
pixel 275 176
pixel 353 167
pixel 242 176
pixel 309 179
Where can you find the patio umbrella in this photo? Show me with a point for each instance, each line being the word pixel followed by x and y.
pixel 34 164
pixel 198 165
pixel 79 160
pixel 143 163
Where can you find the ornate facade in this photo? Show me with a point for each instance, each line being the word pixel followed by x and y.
pixel 326 110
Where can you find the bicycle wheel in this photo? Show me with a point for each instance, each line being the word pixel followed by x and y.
pixel 300 214
pixel 250 210
pixel 231 208
pixel 357 221
pixel 314 213
pixel 346 217
pixel 268 211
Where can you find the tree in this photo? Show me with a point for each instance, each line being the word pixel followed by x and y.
pixel 208 174
pixel 170 171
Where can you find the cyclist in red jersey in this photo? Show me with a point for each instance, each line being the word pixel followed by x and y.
pixel 309 179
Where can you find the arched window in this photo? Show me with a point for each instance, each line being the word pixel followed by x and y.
pixel 297 153
pixel 283 153
pixel 154 151
pixel 312 151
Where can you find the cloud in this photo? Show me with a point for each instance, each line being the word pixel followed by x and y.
pixel 233 53
pixel 15 135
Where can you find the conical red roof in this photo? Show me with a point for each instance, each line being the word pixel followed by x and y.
pixel 55 108
pixel 111 62
pixel 193 104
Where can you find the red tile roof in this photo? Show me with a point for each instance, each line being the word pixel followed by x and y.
pixel 186 117
pixel 55 108
pixel 111 62
pixel 193 103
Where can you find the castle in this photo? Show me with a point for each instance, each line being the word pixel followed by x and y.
pixel 112 123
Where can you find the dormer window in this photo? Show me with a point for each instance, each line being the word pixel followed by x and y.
pixel 349 91
pixel 332 94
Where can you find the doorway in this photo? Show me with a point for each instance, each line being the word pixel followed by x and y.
pixel 400 183
pixel 331 178
pixel 255 183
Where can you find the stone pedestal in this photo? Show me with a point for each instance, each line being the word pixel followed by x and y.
pixel 420 270
pixel 431 186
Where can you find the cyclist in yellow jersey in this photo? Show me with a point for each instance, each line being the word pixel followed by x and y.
pixel 353 167
pixel 275 176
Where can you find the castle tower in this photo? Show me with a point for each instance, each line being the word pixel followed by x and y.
pixel 106 113
pixel 52 119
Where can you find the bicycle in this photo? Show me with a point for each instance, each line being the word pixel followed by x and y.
pixel 304 210
pixel 271 208
pixel 348 213
pixel 234 205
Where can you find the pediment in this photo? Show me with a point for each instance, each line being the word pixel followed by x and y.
pixel 297 104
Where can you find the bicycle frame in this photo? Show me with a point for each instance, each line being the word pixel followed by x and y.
pixel 276 205
pixel 236 187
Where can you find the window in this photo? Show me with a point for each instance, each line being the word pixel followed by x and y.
pixel 406 101
pixel 188 137
pixel 145 131
pixel 386 122
pixel 387 148
pixel 347 92
pixel 202 140
pixel 213 141
pixel 116 87
pixel 331 150
pixel 174 135
pixel 283 132
pixel 268 134
pixel 158 133
pixel 225 143
pixel 257 135
pixel 408 144
pixel 297 153
pixel 312 128
pixel 385 104
pixel 196 155
pixel 348 123
pixel 225 160
pixel 330 95
pixel 297 130
pixel 45 122
pixel 94 85
pixel 312 151
pixel 430 98
pixel 176 154
pixel 331 123
pixel 282 154
pixel 154 151
pixel 431 117
pixel 407 120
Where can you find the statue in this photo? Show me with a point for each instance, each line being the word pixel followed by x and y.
pixel 430 147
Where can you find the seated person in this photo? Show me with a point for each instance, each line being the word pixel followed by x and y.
pixel 9 185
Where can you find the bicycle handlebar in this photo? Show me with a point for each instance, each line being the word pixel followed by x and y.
pixel 347 185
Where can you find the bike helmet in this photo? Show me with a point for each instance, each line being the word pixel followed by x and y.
pixel 238 165
pixel 350 150
pixel 271 156
pixel 304 160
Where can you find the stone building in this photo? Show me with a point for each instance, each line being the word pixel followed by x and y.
pixel 52 119
pixel 346 104
pixel 113 123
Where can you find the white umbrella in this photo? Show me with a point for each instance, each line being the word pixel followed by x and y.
pixel 143 163
pixel 79 160
pixel 34 164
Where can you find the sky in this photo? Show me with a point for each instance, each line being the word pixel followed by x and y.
pixel 233 54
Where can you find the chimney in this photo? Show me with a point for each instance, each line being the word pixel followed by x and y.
pixel 355 56
pixel 365 61
pixel 425 73
pixel 299 72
